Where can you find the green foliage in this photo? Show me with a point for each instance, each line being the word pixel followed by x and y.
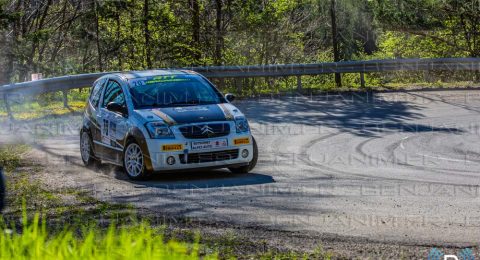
pixel 139 241
pixel 415 14
pixel 65 37
pixel 451 26
pixel 403 45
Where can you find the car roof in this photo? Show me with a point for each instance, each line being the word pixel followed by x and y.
pixel 151 73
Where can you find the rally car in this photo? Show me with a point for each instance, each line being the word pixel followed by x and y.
pixel 164 120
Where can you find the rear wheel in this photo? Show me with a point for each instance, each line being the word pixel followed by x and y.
pixel 133 162
pixel 251 165
pixel 86 150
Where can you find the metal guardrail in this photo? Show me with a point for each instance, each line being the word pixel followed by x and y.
pixel 66 83
pixel 340 67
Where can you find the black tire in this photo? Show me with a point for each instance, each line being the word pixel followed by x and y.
pixel 88 158
pixel 132 172
pixel 251 165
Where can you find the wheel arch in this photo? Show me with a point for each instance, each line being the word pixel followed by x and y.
pixel 86 127
pixel 135 135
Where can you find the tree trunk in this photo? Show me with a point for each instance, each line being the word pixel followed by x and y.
pixel 9 56
pixel 31 65
pixel 97 37
pixel 336 53
pixel 195 29
pixel 146 31
pixel 119 47
pixel 219 32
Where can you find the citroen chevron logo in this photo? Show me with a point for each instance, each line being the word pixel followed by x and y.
pixel 206 130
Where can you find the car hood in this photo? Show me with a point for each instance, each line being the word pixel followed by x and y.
pixel 190 114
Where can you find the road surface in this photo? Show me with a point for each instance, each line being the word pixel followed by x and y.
pixel 399 167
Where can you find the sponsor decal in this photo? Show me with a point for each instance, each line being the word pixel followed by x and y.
pixel 165 79
pixel 157 79
pixel 241 141
pixel 172 147
pixel 211 144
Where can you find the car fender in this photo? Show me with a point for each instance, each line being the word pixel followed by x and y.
pixel 136 134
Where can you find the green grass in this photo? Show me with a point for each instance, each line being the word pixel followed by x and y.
pixel 46 105
pixel 32 110
pixel 138 241
pixel 10 156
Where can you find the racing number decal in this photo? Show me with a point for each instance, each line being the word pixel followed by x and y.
pixel 109 128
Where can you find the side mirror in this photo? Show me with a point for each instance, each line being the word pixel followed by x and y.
pixel 117 108
pixel 229 97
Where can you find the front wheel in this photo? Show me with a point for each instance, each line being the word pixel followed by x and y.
pixel 251 165
pixel 133 162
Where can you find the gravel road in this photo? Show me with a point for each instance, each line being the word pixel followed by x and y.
pixel 400 167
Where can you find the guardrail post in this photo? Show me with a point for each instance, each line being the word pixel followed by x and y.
pixel 7 106
pixel 362 79
pixel 65 98
pixel 238 85
pixel 221 83
pixel 299 83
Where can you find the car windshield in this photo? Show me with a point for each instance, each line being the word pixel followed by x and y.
pixel 173 90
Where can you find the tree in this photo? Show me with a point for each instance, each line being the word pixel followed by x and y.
pixel 336 53
pixel 451 22
pixel 219 32
pixel 146 31
pixel 195 13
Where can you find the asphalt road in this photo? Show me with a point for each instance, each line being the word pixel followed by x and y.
pixel 396 167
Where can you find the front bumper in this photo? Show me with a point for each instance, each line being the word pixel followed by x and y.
pixel 186 158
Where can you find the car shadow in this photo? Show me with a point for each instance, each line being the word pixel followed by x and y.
pixel 202 179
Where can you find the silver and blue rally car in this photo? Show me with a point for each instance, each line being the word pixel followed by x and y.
pixel 164 120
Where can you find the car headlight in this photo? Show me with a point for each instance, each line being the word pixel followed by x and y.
pixel 159 130
pixel 241 124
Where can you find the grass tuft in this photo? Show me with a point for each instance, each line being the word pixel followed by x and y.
pixel 138 241
pixel 10 156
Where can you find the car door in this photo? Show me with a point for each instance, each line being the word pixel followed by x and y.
pixel 112 124
pixel 92 112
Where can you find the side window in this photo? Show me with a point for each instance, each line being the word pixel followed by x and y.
pixel 113 93
pixel 96 93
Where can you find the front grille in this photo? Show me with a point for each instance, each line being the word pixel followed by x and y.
pixel 205 130
pixel 209 156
